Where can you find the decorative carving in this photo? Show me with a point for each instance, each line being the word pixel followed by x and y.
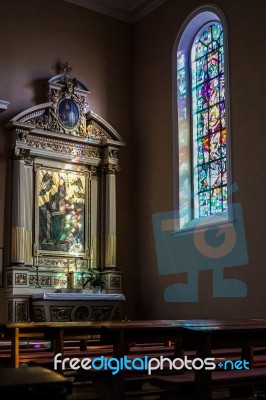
pixel 21 135
pixel 95 131
pixel 68 309
pixel 32 115
pixel 43 280
pixel 59 262
pixel 95 169
pixel 51 119
pixel 20 279
pixel 41 121
pixel 39 314
pixel 22 154
pixel 32 280
pixel 81 314
pixel 112 168
pixel 115 282
pixel 59 282
pixel 61 313
pixel 59 146
pixel 113 152
pixel 101 313
pixel 35 246
pixel 21 308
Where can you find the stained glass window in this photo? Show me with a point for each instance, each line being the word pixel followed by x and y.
pixel 181 85
pixel 208 115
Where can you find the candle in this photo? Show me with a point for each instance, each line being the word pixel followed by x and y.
pixel 71 280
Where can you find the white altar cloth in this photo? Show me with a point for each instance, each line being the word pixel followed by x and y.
pixel 78 296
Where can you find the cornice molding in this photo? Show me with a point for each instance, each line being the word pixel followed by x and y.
pixel 126 10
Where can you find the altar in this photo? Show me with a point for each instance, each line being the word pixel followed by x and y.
pixel 64 162
pixel 67 307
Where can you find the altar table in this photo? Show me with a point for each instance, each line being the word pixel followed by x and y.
pixel 67 307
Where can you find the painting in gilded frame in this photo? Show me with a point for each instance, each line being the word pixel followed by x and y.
pixel 68 113
pixel 62 207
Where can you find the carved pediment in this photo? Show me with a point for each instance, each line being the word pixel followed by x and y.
pixel 66 115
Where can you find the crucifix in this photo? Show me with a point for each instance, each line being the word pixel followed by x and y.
pixel 66 68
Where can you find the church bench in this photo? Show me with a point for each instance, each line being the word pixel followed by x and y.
pixel 27 381
pixel 183 384
pixel 121 334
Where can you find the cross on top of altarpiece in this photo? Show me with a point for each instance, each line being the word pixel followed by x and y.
pixel 66 68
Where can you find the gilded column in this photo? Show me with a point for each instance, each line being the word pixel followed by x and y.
pixel 94 219
pixel 110 216
pixel 22 208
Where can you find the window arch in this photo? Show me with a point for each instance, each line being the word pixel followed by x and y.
pixel 202 116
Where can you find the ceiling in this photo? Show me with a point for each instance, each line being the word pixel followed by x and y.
pixel 125 10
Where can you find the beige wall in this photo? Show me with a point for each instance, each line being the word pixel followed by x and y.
pixel 154 37
pixel 36 36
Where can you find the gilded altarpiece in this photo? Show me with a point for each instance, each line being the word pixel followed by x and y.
pixel 64 164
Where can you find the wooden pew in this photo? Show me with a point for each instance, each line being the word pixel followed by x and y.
pixel 122 334
pixel 55 332
pixel 26 382
pixel 183 387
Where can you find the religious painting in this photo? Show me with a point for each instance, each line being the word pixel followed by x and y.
pixel 61 211
pixel 68 113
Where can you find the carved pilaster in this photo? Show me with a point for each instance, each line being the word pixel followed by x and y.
pixel 110 218
pixel 21 249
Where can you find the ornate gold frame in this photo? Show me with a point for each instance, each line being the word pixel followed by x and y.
pixel 62 210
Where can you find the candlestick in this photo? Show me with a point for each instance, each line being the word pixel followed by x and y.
pixel 37 277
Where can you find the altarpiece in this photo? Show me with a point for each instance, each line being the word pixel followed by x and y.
pixel 64 167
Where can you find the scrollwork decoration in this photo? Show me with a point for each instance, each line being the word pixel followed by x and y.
pixel 112 168
pixel 22 154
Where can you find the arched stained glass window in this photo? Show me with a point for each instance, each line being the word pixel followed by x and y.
pixel 202 120
pixel 209 128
